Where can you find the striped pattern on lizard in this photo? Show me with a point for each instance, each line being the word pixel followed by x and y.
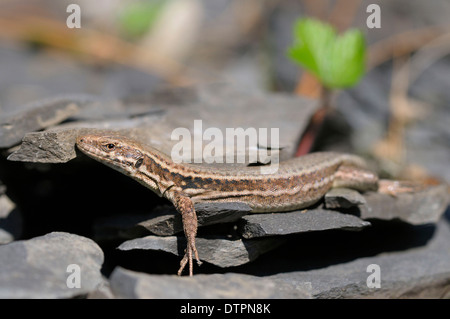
pixel 298 182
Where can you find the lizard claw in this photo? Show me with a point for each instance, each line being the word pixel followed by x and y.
pixel 189 252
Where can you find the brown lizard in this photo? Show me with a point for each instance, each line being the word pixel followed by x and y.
pixel 298 182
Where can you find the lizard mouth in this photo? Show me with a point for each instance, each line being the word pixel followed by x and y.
pixel 91 147
pixel 84 143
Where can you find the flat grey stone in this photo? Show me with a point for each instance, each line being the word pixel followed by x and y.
pixel 38 267
pixel 125 226
pixel 57 145
pixel 262 225
pixel 343 198
pixel 102 291
pixel 39 115
pixel 10 220
pixel 416 208
pixel 420 272
pixel 130 284
pixel 168 221
pixel 218 106
pixel 217 251
pixel 36 147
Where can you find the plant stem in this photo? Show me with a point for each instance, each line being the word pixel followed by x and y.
pixel 315 124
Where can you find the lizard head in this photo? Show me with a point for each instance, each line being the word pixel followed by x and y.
pixel 118 152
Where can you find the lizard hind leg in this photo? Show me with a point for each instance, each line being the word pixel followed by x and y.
pixel 185 206
pixel 356 178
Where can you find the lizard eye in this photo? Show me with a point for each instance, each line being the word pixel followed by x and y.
pixel 139 163
pixel 109 147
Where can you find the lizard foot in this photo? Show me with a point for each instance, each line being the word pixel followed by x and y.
pixel 395 188
pixel 190 251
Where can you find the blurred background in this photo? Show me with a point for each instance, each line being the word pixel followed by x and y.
pixel 397 115
pixel 399 109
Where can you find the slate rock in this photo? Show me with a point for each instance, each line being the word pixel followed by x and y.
pixel 10 220
pixel 218 106
pixel 129 284
pixel 343 198
pixel 221 252
pixel 38 267
pixel 168 220
pixel 102 291
pixel 125 226
pixel 416 208
pixel 262 225
pixel 421 206
pixel 46 147
pixel 420 272
pixel 57 145
pixel 39 115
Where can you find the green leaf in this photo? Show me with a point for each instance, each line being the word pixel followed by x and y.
pixel 337 61
pixel 347 60
pixel 311 41
pixel 138 17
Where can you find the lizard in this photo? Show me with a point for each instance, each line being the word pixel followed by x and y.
pixel 298 183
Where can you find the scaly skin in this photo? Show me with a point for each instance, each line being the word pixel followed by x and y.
pixel 298 183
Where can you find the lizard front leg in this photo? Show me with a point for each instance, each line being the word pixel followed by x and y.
pixel 185 206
